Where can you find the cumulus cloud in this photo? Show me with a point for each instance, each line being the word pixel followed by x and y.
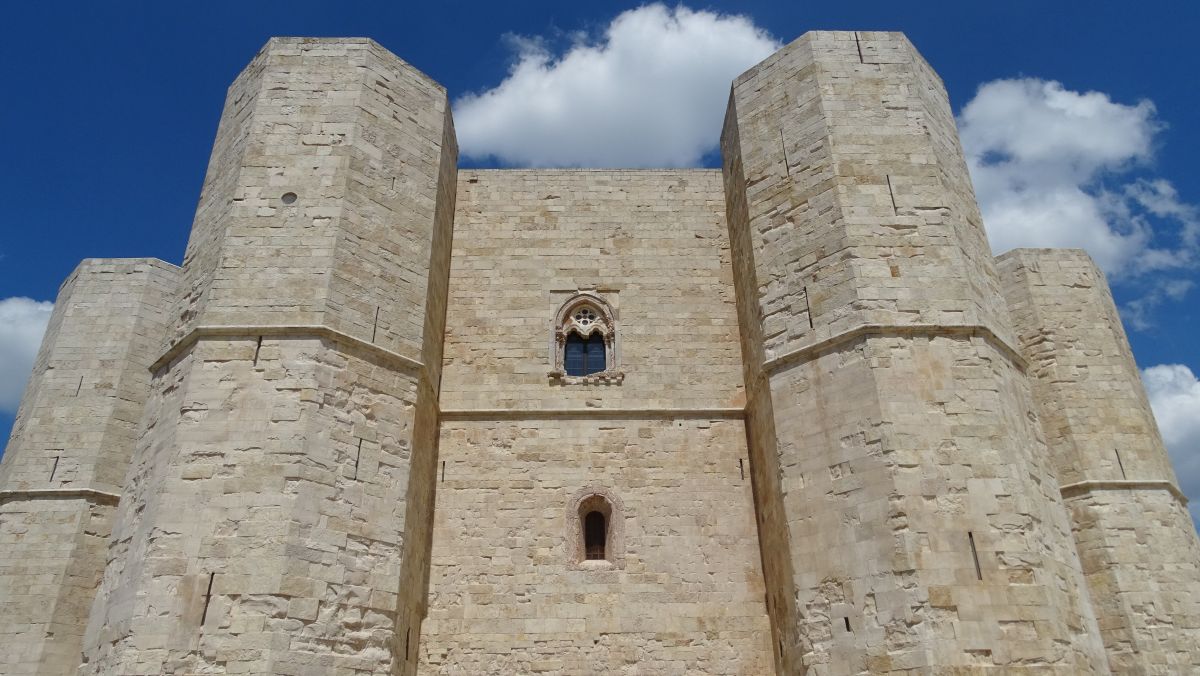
pixel 649 92
pixel 22 323
pixel 1174 393
pixel 1059 168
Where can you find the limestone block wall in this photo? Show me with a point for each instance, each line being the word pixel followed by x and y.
pixel 509 593
pixel 665 446
pixel 277 508
pixel 1136 540
pixel 889 411
pixel 262 530
pixel 651 243
pixel 62 471
pixel 320 195
pixel 337 441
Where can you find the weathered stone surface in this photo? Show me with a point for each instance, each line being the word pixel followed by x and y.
pixel 346 439
pixel 64 466
pixel 918 523
pixel 276 516
pixel 651 243
pixel 330 164
pixel 509 595
pixel 1136 539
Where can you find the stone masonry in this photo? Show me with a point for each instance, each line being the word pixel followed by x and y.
pixel 1116 481
pixel 684 595
pixel 64 467
pixel 911 489
pixel 830 433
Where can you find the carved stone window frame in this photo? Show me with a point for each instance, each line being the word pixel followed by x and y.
pixel 604 323
pixel 595 498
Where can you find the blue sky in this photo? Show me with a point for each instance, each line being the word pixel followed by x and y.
pixel 1079 118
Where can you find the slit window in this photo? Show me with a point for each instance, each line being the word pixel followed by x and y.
pixel 584 356
pixel 595 536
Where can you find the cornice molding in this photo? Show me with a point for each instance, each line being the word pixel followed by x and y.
pixel 1082 487
pixel 101 497
pixel 487 414
pixel 294 330
pixel 806 353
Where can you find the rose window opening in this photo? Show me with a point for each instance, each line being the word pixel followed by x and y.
pixel 585 317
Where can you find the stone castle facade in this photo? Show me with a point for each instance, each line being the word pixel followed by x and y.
pixel 786 417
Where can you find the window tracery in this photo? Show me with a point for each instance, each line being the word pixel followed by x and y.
pixel 584 342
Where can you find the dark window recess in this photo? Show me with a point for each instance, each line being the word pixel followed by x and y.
pixel 595 533
pixel 584 356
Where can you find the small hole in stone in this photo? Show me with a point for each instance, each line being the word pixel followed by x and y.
pixel 288 198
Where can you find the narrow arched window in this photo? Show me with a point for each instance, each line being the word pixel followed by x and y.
pixel 595 536
pixel 596 531
pixel 584 356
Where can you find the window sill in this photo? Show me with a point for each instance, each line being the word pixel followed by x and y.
pixel 601 378
pixel 596 564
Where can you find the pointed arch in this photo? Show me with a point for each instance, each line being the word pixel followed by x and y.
pixel 586 326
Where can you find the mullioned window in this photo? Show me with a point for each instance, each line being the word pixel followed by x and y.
pixel 584 342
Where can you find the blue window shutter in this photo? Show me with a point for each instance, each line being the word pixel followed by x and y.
pixel 574 358
pixel 594 361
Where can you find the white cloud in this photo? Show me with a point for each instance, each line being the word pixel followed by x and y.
pixel 1160 198
pixel 1058 168
pixel 650 92
pixel 22 323
pixel 1174 395
pixel 1139 311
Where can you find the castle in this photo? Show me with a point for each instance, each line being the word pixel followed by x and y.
pixel 785 417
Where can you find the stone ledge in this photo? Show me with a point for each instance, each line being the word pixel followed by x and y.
pixel 774 364
pixel 601 378
pixel 486 414
pixel 101 497
pixel 1081 487
pixel 294 330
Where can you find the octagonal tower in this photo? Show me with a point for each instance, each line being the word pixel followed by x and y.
pixel 910 516
pixel 276 515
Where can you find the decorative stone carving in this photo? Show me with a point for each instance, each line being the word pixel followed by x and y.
pixel 585 313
